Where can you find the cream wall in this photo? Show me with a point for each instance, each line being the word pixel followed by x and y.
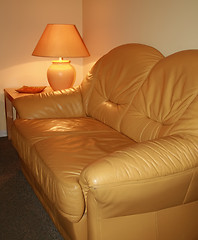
pixel 168 25
pixel 22 23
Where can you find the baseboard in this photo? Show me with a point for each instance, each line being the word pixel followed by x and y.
pixel 3 133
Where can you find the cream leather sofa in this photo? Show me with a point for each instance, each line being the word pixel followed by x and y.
pixel 116 158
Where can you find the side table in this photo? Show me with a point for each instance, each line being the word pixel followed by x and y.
pixel 9 95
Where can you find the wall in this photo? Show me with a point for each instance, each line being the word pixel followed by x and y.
pixel 22 23
pixel 167 25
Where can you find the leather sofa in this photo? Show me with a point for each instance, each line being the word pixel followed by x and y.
pixel 117 156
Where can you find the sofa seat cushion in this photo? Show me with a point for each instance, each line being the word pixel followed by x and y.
pixel 57 158
pixel 27 132
pixel 36 129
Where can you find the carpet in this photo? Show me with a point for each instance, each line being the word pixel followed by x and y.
pixel 22 217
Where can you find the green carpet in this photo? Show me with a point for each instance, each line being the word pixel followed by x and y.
pixel 22 216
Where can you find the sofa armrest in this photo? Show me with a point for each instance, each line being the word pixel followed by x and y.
pixel 58 104
pixel 146 177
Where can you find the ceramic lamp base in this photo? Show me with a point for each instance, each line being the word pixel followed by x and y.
pixel 61 75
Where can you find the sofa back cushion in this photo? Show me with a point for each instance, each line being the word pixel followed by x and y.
pixel 114 81
pixel 167 101
pixel 137 91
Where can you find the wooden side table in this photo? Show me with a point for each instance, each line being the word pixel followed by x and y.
pixel 9 95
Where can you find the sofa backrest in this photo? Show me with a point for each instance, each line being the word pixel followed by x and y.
pixel 144 95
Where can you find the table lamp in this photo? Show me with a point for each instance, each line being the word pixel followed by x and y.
pixel 61 40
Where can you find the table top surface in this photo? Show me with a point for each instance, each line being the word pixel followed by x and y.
pixel 12 94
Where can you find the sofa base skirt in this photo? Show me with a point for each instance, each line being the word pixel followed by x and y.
pixel 173 223
pixel 69 230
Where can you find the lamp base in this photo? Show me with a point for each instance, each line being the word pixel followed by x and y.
pixel 61 75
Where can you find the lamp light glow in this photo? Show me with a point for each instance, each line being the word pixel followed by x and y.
pixel 61 40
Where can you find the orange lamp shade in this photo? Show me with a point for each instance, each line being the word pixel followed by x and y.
pixel 61 40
